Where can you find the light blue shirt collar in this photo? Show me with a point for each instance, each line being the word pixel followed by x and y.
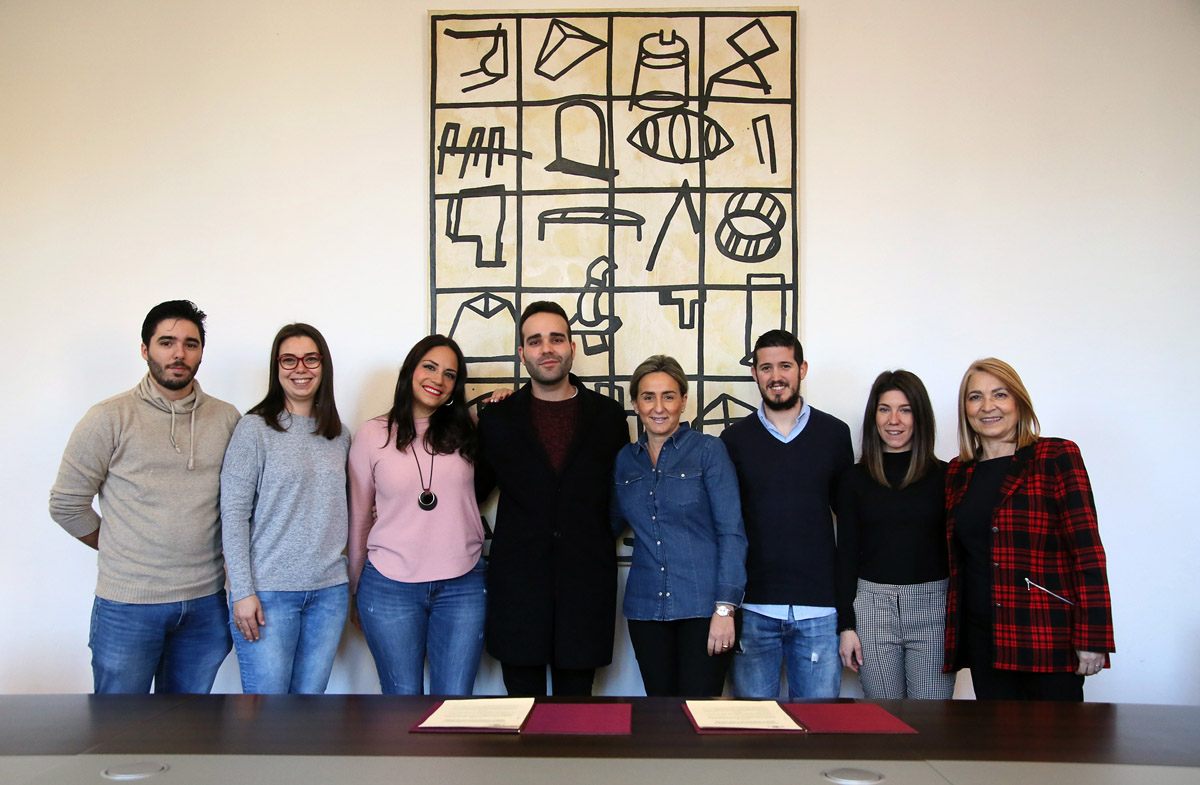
pixel 801 421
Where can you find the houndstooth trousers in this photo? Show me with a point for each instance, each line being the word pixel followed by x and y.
pixel 901 629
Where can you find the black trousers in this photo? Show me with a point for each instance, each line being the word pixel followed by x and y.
pixel 674 661
pixel 529 681
pixel 994 684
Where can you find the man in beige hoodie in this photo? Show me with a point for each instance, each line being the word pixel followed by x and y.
pixel 153 457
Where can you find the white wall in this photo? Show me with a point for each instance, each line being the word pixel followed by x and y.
pixel 1019 179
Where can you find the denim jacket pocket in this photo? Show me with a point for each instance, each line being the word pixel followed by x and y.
pixel 685 485
pixel 632 481
pixel 626 489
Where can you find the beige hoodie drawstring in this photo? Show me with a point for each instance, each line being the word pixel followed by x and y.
pixel 173 442
pixel 192 439
pixel 149 393
pixel 191 464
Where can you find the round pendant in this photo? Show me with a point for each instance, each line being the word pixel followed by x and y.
pixel 427 500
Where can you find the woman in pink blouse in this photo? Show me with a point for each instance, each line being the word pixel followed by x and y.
pixel 416 537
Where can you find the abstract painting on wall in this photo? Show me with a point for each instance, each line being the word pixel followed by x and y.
pixel 639 169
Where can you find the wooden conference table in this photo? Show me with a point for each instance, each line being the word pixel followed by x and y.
pixel 365 739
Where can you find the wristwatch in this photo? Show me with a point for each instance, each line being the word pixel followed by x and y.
pixel 724 610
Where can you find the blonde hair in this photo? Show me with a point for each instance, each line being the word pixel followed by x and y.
pixel 970 446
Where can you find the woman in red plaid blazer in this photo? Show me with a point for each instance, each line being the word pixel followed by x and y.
pixel 1028 608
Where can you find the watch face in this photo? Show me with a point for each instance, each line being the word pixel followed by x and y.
pixel 724 610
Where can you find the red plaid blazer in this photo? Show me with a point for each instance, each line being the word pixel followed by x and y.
pixel 1044 530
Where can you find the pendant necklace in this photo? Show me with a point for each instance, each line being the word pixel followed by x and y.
pixel 428 499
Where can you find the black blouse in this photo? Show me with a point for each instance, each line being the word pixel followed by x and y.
pixel 889 534
pixel 973 535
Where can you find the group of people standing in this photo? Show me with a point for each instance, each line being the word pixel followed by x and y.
pixel 992 563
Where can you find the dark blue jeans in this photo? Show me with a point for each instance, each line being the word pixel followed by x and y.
pixel 178 645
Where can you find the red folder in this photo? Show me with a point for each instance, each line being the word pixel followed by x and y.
pixel 846 718
pixel 585 719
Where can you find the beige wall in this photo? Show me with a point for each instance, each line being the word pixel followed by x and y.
pixel 1019 179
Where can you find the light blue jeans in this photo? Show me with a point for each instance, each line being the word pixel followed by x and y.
pixel 808 647
pixel 404 622
pixel 179 646
pixel 295 649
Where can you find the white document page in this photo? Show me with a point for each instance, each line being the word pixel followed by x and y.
pixel 738 714
pixel 499 713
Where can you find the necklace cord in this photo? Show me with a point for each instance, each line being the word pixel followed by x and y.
pixel 427 499
pixel 420 474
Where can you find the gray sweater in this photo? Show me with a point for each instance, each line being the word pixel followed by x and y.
pixel 283 507
pixel 155 464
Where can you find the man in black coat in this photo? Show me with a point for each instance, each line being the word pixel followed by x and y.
pixel 552 572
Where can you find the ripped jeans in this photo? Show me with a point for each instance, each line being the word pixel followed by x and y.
pixel 808 647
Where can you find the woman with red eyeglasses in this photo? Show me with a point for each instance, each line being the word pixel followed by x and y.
pixel 284 522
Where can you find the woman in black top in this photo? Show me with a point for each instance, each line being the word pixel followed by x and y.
pixel 892 561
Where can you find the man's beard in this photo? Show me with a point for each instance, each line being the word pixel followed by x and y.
pixel 552 377
pixel 159 374
pixel 783 405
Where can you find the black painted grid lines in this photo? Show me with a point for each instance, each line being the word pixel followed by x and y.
pixel 638 168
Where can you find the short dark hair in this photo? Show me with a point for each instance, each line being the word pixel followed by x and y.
pixel 779 338
pixel 541 306
pixel 172 309
pixel 922 460
pixel 274 404
pixel 450 426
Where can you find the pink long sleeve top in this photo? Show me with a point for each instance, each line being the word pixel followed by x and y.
pixel 404 542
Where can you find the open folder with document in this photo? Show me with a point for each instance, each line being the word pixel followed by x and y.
pixel 485 715
pixel 740 716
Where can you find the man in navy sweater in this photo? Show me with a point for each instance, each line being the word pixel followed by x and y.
pixel 788 457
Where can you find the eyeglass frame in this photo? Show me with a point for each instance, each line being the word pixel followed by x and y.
pixel 311 361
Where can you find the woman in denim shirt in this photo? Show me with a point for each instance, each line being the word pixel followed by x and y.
pixel 678 490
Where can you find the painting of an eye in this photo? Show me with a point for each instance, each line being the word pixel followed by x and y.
pixel 680 136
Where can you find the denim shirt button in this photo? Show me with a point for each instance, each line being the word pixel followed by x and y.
pixel 668 594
